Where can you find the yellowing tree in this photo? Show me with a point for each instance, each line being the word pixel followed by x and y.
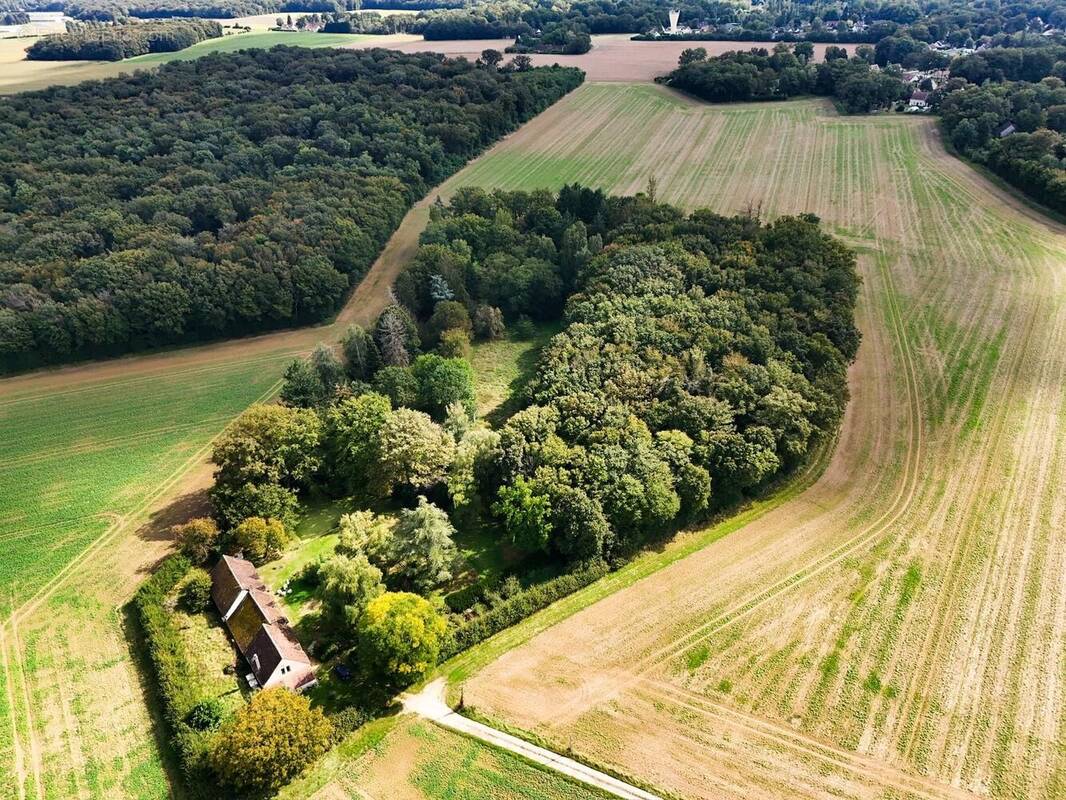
pixel 270 741
pixel 399 637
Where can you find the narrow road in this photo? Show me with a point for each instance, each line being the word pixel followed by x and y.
pixel 429 704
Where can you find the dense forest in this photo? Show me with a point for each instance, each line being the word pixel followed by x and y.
pixel 95 42
pixel 228 194
pixel 787 72
pixel 701 356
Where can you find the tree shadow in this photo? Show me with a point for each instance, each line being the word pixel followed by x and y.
pixel 160 524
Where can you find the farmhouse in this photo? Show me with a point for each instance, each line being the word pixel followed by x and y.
pixel 258 628
pixel 919 101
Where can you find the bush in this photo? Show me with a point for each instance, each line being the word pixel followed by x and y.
pixel 196 592
pixel 347 721
pixel 205 715
pixel 454 343
pixel 524 328
pixel 488 322
pixel 519 606
pixel 197 539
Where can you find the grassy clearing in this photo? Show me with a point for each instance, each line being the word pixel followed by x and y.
pixel 502 368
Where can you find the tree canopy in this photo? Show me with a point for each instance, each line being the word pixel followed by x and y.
pixel 226 194
pixel 116 42
pixel 269 741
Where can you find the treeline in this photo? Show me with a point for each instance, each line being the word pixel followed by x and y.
pixel 1011 64
pixel 367 22
pixel 1018 130
pixel 228 194
pixel 118 10
pixel 787 72
pixel 116 42
pixel 958 23
pixel 411 5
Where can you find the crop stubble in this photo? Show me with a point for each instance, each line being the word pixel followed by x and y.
pixel 898 629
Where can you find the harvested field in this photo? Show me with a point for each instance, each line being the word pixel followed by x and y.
pixel 614 57
pixel 898 629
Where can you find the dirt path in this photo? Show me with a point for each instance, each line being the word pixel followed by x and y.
pixel 429 703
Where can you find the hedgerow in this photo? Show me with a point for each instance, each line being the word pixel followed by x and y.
pixel 515 609
pixel 176 678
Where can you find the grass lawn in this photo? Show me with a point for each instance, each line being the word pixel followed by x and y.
pixel 208 645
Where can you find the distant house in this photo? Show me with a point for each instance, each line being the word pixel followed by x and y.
pixel 919 101
pixel 260 631
pixel 1006 129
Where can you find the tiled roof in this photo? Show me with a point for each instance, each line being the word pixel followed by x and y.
pixel 229 577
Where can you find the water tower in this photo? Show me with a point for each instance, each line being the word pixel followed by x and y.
pixel 675 14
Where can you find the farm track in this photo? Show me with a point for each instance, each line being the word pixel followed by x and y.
pixel 923 631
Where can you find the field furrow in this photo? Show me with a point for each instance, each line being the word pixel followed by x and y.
pixel 897 630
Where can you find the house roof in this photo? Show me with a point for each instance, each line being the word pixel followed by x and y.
pixel 229 577
pixel 245 622
pixel 273 644
pixel 923 96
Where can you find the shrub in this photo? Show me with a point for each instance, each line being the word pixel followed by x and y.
pixel 454 343
pixel 524 328
pixel 205 715
pixel 347 721
pixel 196 591
pixel 488 322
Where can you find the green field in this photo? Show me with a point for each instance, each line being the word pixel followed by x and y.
pixel 79 468
pixel 18 74
pixel 415 760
